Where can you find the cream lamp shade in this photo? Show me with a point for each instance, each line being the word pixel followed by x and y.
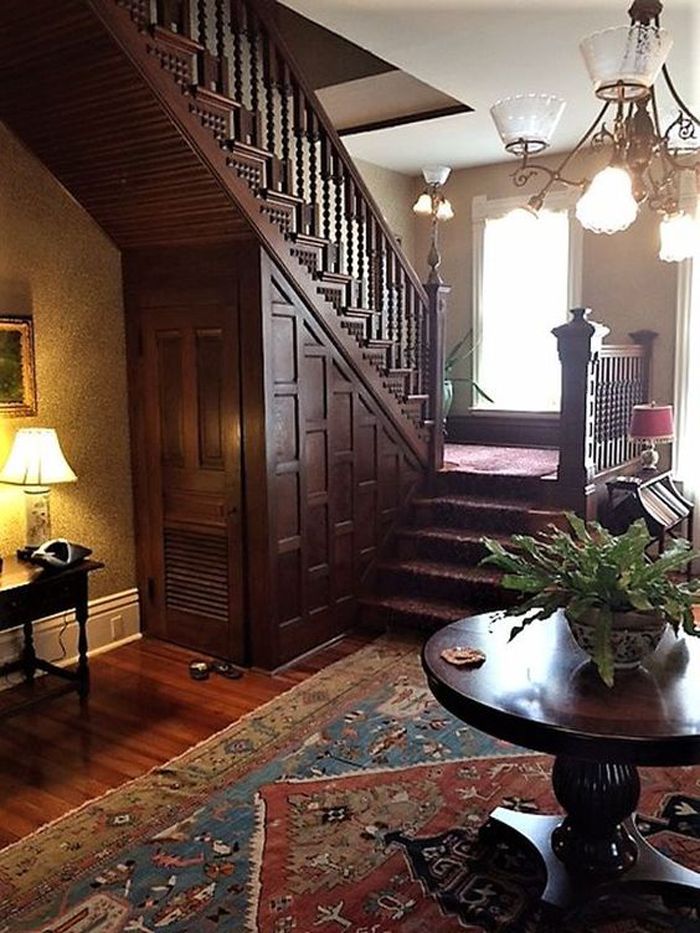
pixel 36 459
pixel 36 462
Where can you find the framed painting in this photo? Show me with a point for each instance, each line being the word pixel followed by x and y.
pixel 17 367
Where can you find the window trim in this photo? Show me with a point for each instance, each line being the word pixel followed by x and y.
pixel 484 209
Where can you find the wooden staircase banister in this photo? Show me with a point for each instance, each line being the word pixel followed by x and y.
pixel 265 10
pixel 275 150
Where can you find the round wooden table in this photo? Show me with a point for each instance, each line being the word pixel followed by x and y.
pixel 540 691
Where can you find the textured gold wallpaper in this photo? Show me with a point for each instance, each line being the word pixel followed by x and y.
pixel 58 265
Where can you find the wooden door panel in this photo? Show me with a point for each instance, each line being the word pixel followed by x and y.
pixel 191 364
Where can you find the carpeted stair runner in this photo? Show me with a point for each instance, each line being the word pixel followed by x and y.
pixel 434 576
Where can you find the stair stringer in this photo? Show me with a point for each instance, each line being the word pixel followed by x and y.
pixel 140 48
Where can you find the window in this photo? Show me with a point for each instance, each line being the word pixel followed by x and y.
pixel 686 449
pixel 526 282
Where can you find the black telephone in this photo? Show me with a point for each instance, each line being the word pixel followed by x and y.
pixel 59 554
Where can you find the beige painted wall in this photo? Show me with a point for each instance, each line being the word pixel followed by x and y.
pixel 623 282
pixel 56 264
pixel 394 192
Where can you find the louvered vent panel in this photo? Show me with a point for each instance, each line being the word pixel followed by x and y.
pixel 196 573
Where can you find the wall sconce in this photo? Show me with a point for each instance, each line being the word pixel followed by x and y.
pixel 433 203
pixel 36 462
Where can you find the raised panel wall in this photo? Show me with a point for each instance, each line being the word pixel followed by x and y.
pixel 340 476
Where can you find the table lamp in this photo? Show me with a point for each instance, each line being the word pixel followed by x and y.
pixel 651 424
pixel 36 462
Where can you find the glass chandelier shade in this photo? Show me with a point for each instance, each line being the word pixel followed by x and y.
pixel 624 61
pixel 424 204
pixel 526 123
pixel 608 205
pixel 680 237
pixel 445 211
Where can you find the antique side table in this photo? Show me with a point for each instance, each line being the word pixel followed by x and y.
pixel 28 594
pixel 541 692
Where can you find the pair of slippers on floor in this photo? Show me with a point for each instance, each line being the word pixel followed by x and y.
pixel 201 669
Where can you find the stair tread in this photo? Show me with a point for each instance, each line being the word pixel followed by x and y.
pixel 441 609
pixel 454 534
pixel 444 569
pixel 475 501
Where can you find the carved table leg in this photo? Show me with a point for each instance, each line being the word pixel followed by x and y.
pixel 597 797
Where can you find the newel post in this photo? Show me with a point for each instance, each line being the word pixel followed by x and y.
pixel 578 342
pixel 438 294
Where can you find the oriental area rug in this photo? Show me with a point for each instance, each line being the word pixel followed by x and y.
pixel 350 804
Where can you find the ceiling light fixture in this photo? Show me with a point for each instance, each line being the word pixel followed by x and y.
pixel 647 161
pixel 433 203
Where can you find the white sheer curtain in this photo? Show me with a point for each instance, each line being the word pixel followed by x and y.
pixel 525 289
pixel 687 387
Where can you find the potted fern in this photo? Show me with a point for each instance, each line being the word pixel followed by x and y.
pixel 617 600
pixel 462 350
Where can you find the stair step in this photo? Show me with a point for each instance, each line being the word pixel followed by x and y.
pixel 250 163
pixel 378 612
pixel 449 544
pixel 486 515
pixel 374 343
pixel 473 586
pixel 529 489
pixel 334 278
pixel 365 313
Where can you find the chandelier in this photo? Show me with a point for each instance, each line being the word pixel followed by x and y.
pixel 647 161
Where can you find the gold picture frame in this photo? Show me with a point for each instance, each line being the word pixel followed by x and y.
pixel 17 367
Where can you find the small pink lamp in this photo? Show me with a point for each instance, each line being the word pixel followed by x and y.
pixel 651 424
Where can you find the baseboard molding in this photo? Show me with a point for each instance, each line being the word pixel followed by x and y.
pixel 113 620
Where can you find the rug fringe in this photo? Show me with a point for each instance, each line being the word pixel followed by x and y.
pixel 257 848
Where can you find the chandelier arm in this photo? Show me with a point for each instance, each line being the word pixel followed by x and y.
pixel 677 97
pixel 528 169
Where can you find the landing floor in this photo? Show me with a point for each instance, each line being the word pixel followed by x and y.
pixel 503 461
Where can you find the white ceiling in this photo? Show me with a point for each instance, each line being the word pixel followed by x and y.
pixel 481 50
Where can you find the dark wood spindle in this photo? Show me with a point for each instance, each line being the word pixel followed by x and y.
pixel 361 246
pixel 202 23
pixel 350 225
pixel 313 137
pixel 269 84
pixel 254 72
pixel 286 92
pixel 238 28
pixel 326 177
pixel 338 178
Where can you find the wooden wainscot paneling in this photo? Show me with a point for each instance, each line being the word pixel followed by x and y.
pixel 338 477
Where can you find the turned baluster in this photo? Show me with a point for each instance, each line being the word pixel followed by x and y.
pixel 237 28
pixel 390 303
pixel 338 178
pixel 350 225
pixel 254 72
pixel 202 23
pixel 361 246
pixel 269 62
pixel 380 295
pixel 400 286
pixel 286 91
pixel 300 135
pixel 326 177
pixel 313 137
pixel 223 84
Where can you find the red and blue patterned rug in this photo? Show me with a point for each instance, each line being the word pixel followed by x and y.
pixel 351 803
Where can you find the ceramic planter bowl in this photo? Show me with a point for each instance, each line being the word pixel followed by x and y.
pixel 634 636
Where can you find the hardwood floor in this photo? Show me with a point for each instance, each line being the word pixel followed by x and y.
pixel 143 710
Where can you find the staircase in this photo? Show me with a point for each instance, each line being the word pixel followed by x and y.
pixel 248 112
pixel 434 576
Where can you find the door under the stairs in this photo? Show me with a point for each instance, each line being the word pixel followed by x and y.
pixel 189 370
